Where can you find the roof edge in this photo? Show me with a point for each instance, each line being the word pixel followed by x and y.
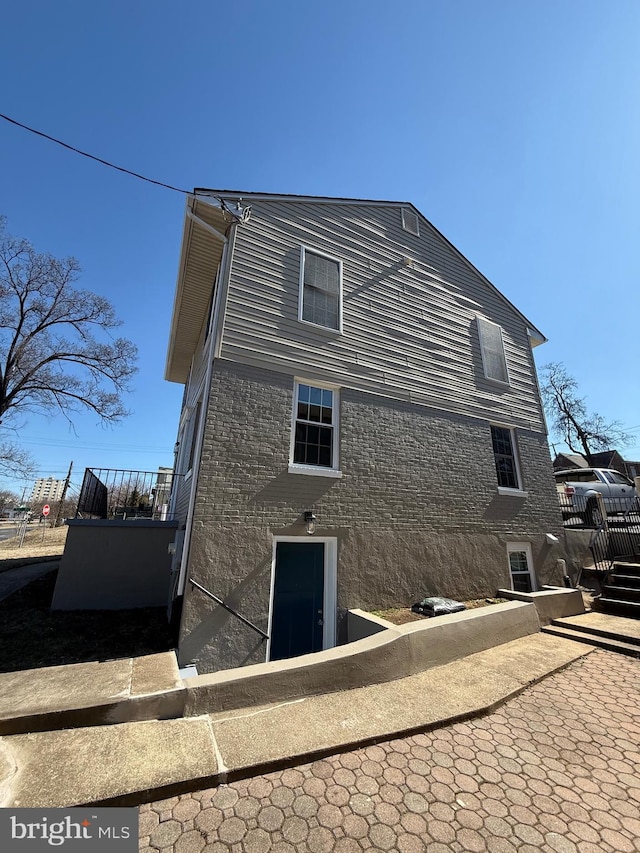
pixel 536 336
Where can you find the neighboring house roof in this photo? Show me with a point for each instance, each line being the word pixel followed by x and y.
pixel 607 459
pixel 569 460
pixel 207 221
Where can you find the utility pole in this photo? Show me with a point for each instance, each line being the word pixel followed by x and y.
pixel 62 497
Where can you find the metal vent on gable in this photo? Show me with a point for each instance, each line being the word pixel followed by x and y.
pixel 410 222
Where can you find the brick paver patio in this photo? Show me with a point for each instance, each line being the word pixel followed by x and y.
pixel 557 768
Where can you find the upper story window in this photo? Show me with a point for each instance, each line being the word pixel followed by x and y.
pixel 315 430
pixel 410 222
pixel 492 348
pixel 320 300
pixel 506 459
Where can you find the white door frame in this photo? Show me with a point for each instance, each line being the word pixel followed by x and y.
pixel 329 597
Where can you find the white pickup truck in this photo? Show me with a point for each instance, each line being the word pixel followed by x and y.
pixel 578 489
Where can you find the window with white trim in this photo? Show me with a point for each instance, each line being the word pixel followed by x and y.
pixel 506 459
pixel 494 360
pixel 521 567
pixel 315 427
pixel 320 300
pixel 193 439
pixel 187 439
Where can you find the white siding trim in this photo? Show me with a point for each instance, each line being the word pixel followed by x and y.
pixel 220 302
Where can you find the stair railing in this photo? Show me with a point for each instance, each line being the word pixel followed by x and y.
pixel 235 613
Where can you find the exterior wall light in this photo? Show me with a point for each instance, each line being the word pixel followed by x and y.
pixel 310 520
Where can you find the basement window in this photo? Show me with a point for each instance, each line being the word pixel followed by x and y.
pixel 521 567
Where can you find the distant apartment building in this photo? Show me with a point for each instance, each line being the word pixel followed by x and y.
pixel 46 489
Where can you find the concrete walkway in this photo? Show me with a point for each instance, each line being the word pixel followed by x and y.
pixel 555 769
pixel 11 580
pixel 129 762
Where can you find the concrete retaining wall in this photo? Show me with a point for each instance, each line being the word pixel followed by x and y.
pixel 552 603
pixel 114 565
pixel 397 652
pixel 361 624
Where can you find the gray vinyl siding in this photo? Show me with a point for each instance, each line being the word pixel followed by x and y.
pixel 408 332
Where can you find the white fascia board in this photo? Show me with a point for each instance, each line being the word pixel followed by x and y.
pixel 177 300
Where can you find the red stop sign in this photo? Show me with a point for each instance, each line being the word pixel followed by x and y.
pixel 46 509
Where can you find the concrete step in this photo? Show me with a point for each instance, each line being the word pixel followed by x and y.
pixel 602 625
pixel 619 579
pixel 630 609
pixel 618 592
pixel 591 639
pixel 626 567
pixel 91 694
pixel 133 762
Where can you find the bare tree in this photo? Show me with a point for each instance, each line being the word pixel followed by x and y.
pixel 8 500
pixel 582 431
pixel 50 357
pixel 14 459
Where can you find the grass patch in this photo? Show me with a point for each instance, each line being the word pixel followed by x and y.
pixel 32 635
pixel 38 542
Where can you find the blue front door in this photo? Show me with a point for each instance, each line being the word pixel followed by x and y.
pixel 297 618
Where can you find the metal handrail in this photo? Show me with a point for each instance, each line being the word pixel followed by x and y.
pixel 230 609
pixel 612 539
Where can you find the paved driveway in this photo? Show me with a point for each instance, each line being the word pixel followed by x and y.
pixel 555 769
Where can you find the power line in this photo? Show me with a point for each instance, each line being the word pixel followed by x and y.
pixel 84 445
pixel 93 157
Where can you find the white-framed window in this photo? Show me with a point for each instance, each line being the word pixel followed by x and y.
pixel 505 454
pixel 188 438
pixel 494 360
pixel 314 433
pixel 520 560
pixel 193 439
pixel 320 297
pixel 410 222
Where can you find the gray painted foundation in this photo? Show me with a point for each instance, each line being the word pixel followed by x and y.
pixel 415 513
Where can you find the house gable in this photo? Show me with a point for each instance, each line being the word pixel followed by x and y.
pixel 411 307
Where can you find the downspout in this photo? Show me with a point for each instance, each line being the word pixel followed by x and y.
pixel 215 342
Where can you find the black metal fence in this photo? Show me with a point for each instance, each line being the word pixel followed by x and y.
pixel 615 528
pixel 113 493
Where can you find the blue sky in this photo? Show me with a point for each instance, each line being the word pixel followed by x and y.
pixel 514 127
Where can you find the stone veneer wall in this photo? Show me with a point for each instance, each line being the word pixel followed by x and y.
pixel 415 513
